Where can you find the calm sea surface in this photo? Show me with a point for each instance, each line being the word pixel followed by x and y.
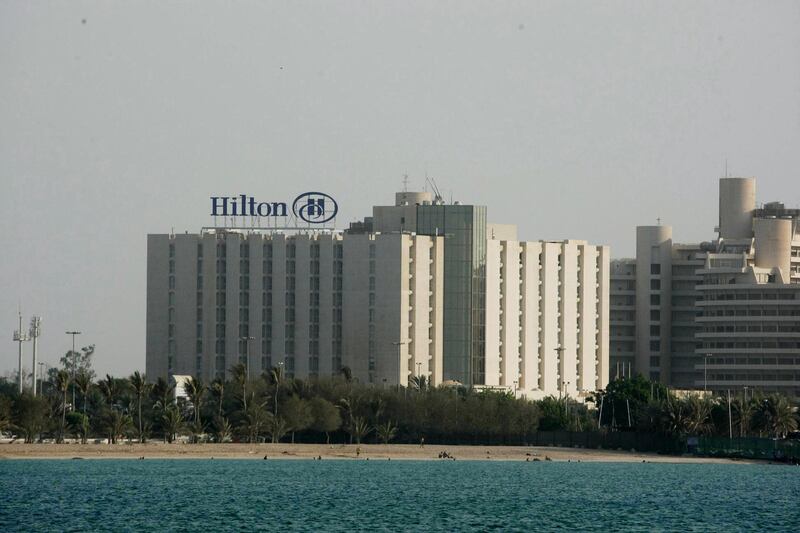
pixel 244 495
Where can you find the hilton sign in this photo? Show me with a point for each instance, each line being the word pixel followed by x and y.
pixel 311 207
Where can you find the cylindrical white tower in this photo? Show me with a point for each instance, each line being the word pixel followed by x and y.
pixel 737 200
pixel 412 198
pixel 653 295
pixel 774 245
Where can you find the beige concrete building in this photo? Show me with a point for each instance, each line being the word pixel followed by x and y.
pixel 267 299
pixel 721 315
pixel 421 288
pixel 546 317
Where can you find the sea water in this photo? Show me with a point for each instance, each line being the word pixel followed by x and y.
pixel 347 495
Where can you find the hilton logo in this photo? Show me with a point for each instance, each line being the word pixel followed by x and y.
pixel 311 207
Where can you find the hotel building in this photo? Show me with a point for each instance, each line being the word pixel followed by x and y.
pixel 421 288
pixel 718 315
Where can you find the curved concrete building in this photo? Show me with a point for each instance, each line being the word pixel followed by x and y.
pixel 653 268
pixel 737 201
pixel 773 245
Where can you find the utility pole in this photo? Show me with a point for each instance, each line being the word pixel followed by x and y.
pixel 730 419
pixel 35 331
pixel 19 337
pixel 74 364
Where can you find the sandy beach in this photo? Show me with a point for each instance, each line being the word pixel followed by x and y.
pixel 159 450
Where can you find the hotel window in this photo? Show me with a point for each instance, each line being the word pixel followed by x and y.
pixel 655 299
pixel 655 269
pixel 655 284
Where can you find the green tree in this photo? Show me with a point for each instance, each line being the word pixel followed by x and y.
pixel 140 388
pixel 116 424
pixel 196 390
pixel 277 428
pixel 239 377
pixel 778 416
pixel 326 417
pixel 30 415
pixel 218 393
pixel 83 383
pixel 80 425
pixel 62 386
pixel 255 422
pixel 298 415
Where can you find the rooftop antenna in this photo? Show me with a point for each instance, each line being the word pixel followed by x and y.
pixel 726 167
pixel 405 182
pixel 19 337
pixel 658 220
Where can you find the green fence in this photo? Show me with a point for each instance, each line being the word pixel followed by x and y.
pixel 748 448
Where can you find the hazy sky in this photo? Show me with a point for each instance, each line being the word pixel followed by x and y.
pixel 570 119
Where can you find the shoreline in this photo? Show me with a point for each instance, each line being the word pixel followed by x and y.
pixel 400 452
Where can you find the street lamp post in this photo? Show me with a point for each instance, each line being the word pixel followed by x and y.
pixel 278 385
pixel 247 354
pixel 515 388
pixel 399 362
pixel 74 364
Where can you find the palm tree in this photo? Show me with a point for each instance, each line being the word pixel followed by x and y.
pixel 83 382
pixel 62 382
pixel 109 389
pixel 172 422
pixel 276 379
pixel 778 416
pixel 277 428
pixel 674 417
pixel 239 375
pixel 164 394
pixel 744 412
pixel 360 429
pixel 196 390
pixel 255 421
pixel 222 429
pixel 81 428
pixel 386 432
pixel 140 387
pixel 116 424
pixel 218 392
pixel 698 415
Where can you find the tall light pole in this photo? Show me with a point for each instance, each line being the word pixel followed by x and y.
pixel 515 388
pixel 74 364
pixel 278 385
pixel 247 354
pixel 399 362
pixel 559 352
pixel 19 337
pixel 34 332
pixel 705 372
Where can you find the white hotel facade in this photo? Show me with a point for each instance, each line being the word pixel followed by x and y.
pixel 383 300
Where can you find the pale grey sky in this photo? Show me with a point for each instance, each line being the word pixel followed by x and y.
pixel 570 119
